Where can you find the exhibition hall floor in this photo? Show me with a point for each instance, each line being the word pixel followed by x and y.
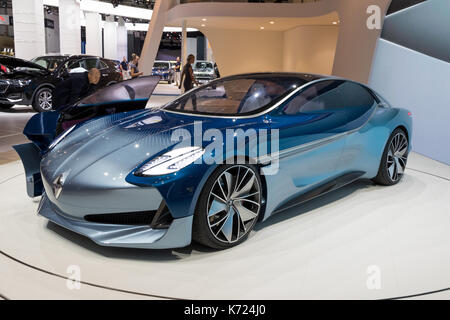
pixel 362 241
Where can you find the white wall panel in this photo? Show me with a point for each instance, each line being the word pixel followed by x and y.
pixel 93 33
pixel 122 40
pixel 421 84
pixel 69 27
pixel 110 38
pixel 29 33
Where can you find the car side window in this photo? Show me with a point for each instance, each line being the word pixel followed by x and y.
pixel 73 64
pixel 331 96
pixel 92 63
pixel 102 65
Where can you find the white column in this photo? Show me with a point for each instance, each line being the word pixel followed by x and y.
pixel 122 40
pixel 93 33
pixel 29 33
pixel 184 45
pixel 110 38
pixel 69 27
pixel 154 33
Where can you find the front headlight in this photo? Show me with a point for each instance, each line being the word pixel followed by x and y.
pixel 21 83
pixel 24 83
pixel 170 162
pixel 61 137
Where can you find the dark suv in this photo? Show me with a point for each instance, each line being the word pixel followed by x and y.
pixel 32 82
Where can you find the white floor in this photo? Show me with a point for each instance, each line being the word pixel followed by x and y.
pixel 331 247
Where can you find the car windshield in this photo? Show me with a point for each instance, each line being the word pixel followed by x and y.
pixel 161 65
pixel 238 95
pixel 203 65
pixel 49 63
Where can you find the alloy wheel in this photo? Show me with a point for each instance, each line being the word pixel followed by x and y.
pixel 234 203
pixel 397 156
pixel 45 100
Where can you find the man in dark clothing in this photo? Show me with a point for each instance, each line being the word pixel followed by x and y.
pixel 124 64
pixel 177 72
pixel 75 87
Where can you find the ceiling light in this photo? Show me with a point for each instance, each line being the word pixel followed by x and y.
pixel 203 25
pixel 272 22
pixel 262 28
pixel 204 19
pixel 335 22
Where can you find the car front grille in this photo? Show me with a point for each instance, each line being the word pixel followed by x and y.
pixel 4 85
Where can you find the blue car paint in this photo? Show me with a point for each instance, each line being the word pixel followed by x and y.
pixel 316 152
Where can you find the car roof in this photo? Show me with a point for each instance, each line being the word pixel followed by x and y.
pixel 306 77
pixel 69 56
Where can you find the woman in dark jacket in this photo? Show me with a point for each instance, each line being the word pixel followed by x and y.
pixel 188 74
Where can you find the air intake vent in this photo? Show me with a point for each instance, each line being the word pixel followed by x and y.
pixel 131 218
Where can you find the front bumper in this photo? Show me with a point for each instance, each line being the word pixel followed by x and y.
pixel 10 94
pixel 129 236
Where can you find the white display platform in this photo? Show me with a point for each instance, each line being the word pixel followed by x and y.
pixel 328 248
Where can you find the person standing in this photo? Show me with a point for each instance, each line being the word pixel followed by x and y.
pixel 124 69
pixel 178 72
pixel 189 79
pixel 77 85
pixel 188 75
pixel 134 71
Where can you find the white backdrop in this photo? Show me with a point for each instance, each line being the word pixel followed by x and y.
pixel 421 84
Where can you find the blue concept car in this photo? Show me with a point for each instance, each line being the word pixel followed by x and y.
pixel 212 163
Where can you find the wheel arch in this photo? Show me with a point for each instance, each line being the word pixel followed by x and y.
pixel 402 127
pixel 43 85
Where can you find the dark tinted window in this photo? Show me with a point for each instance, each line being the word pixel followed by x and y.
pixel 92 63
pixel 236 95
pixel 330 95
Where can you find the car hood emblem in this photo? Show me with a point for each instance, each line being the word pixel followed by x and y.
pixel 58 184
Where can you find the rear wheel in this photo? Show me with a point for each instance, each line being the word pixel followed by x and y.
pixel 229 207
pixel 43 100
pixel 393 161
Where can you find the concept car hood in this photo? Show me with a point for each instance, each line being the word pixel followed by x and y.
pixel 114 144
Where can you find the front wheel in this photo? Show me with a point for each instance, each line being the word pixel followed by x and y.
pixel 393 161
pixel 229 207
pixel 43 100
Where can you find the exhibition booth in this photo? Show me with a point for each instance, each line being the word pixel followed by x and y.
pixel 225 150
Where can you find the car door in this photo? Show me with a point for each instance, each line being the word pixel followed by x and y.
pixel 360 104
pixel 311 127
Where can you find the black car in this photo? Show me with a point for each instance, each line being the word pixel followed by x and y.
pixel 32 82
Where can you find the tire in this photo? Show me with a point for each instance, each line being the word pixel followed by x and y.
pixel 234 212
pixel 394 159
pixel 43 100
pixel 5 106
